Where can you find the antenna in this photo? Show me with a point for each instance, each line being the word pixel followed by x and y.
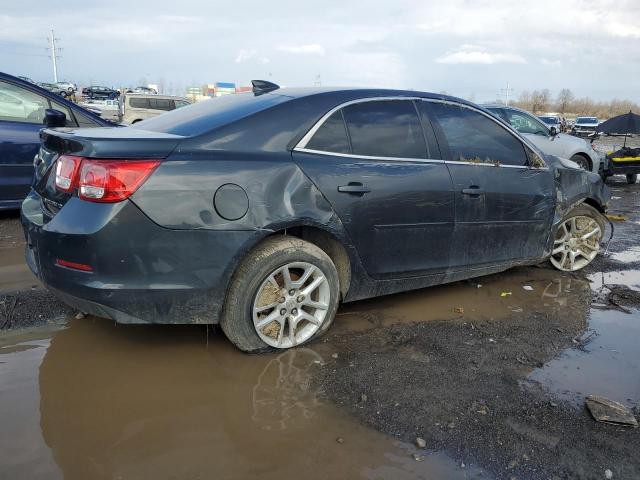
pixel 506 92
pixel 54 54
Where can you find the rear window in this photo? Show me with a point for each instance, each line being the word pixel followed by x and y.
pixel 208 115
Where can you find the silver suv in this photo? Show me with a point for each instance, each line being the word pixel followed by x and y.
pixel 548 140
pixel 135 107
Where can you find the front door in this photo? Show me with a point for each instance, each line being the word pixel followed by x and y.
pixel 395 199
pixel 504 206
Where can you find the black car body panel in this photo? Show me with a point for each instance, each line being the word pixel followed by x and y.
pixel 231 177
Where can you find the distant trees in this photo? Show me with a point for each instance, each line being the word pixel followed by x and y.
pixel 539 101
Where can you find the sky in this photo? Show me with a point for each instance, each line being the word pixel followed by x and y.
pixel 470 49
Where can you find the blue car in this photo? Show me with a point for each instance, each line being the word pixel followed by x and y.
pixel 22 113
pixel 263 211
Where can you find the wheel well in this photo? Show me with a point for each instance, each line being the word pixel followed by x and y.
pixel 136 121
pixel 595 204
pixel 586 157
pixel 330 245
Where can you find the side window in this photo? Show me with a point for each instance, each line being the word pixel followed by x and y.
pixel 71 122
pixel 474 138
pixel 181 103
pixel 137 102
pixel 85 122
pixel 331 136
pixel 385 129
pixel 525 124
pixel 20 105
pixel 161 104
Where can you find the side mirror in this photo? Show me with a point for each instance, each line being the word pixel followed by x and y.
pixel 54 118
pixel 553 131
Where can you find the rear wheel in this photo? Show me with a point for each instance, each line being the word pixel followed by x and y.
pixel 632 178
pixel 582 162
pixel 284 294
pixel 577 239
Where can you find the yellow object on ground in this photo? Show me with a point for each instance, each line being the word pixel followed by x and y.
pixel 616 217
pixel 626 159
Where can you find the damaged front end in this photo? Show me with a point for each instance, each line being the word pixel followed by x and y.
pixel 579 221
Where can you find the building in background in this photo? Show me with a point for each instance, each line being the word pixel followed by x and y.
pixel 217 89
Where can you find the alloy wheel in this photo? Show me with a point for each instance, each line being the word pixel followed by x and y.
pixel 576 243
pixel 291 304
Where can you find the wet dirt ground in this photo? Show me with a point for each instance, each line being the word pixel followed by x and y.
pixel 491 374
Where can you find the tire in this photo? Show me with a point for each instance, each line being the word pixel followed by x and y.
pixel 250 284
pixel 582 161
pixel 632 178
pixel 590 248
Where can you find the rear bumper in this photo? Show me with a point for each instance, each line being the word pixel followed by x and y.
pixel 142 273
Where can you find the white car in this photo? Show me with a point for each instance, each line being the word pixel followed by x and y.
pixel 550 141
pixel 68 86
pixel 585 126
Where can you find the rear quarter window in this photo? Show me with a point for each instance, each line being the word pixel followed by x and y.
pixel 331 136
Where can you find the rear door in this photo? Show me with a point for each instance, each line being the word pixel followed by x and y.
pixel 504 207
pixel 21 117
pixel 383 175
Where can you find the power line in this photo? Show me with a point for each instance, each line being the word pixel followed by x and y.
pixel 506 93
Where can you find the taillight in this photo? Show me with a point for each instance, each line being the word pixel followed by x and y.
pixel 105 180
pixel 67 172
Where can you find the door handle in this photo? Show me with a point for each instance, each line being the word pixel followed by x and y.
pixel 355 188
pixel 473 190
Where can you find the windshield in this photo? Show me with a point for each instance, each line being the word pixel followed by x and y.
pixel 583 120
pixel 552 120
pixel 525 123
pixel 210 114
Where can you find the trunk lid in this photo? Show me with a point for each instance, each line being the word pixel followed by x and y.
pixel 107 143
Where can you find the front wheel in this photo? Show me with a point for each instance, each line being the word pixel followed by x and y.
pixel 582 162
pixel 577 239
pixel 632 178
pixel 284 294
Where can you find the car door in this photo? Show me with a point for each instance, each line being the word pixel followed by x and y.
pixel 504 205
pixel 384 178
pixel 21 117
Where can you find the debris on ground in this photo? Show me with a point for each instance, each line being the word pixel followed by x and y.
pixel 528 288
pixel 459 310
pixel 608 474
pixel 79 316
pixel 340 440
pixel 505 294
pixel 334 355
pixel 616 217
pixel 607 411
pixel 417 458
pixel 420 442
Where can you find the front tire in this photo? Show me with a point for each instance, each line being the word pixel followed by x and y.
pixel 577 239
pixel 285 293
pixel 632 178
pixel 582 162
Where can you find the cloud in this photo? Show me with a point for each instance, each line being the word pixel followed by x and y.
pixel 308 49
pixel 466 56
pixel 244 55
pixel 264 60
pixel 551 63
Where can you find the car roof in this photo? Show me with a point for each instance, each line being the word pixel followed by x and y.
pixel 52 96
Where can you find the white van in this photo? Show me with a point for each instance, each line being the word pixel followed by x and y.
pixel 135 107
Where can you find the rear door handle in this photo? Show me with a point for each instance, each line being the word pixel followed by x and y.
pixel 355 188
pixel 473 190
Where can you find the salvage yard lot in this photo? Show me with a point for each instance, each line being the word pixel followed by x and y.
pixel 492 373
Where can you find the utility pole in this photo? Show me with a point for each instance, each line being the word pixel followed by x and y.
pixel 54 54
pixel 318 81
pixel 506 92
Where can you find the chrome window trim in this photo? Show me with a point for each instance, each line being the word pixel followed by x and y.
pixel 301 145
pixel 368 157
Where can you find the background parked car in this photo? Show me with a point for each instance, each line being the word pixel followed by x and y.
pixel 552 121
pixel 100 92
pixel 135 107
pixel 585 126
pixel 147 90
pixel 22 112
pixel 68 86
pixel 560 144
pixel 52 87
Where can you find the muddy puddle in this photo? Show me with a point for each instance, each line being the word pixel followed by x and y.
pixel 14 273
pixel 96 400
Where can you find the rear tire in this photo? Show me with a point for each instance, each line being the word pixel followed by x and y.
pixel 259 291
pixel 582 161
pixel 632 178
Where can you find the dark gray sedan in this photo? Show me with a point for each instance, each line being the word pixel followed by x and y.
pixel 263 211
